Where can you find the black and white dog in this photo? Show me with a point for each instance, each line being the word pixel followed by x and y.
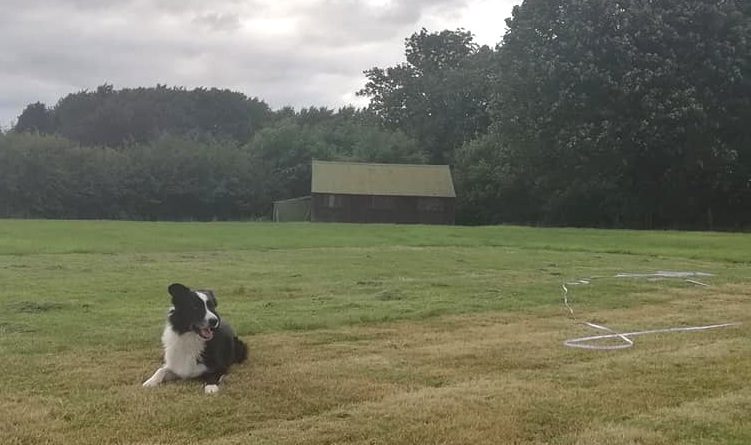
pixel 197 342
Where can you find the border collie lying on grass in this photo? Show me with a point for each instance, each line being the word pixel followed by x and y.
pixel 197 342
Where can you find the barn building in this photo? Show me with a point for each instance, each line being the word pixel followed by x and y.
pixel 382 193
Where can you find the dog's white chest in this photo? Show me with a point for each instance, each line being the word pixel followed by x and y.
pixel 181 353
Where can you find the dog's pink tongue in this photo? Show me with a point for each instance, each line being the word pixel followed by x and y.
pixel 206 333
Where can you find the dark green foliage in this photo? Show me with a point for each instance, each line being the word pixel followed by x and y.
pixel 487 188
pixel 440 96
pixel 178 178
pixel 170 178
pixel 619 113
pixel 170 153
pixel 117 117
pixel 35 118
pixel 186 178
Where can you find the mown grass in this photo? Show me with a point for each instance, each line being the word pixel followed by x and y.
pixel 373 334
pixel 20 237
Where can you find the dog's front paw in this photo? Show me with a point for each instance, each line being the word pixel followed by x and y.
pixel 211 389
pixel 150 383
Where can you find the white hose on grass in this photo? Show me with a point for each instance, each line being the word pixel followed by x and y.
pixel 625 338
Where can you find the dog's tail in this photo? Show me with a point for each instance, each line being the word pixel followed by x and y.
pixel 241 351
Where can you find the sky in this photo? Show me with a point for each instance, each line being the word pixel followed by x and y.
pixel 287 52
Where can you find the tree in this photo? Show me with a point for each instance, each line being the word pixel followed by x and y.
pixel 35 118
pixel 116 118
pixel 439 96
pixel 627 112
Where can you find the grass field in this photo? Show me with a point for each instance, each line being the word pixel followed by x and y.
pixel 373 335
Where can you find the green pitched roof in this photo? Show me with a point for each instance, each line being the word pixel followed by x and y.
pixel 356 178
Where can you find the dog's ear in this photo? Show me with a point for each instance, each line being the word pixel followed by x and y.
pixel 212 298
pixel 178 291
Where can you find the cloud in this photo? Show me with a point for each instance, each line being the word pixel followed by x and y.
pixel 296 52
pixel 219 22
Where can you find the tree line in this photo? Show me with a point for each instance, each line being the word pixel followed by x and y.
pixel 196 176
pixel 627 113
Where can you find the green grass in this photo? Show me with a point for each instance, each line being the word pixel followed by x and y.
pixel 373 334
pixel 113 237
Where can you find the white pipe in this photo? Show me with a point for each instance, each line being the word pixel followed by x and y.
pixel 627 342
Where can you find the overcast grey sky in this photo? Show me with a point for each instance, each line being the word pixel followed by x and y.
pixel 286 52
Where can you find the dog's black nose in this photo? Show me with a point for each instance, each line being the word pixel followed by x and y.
pixel 213 322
